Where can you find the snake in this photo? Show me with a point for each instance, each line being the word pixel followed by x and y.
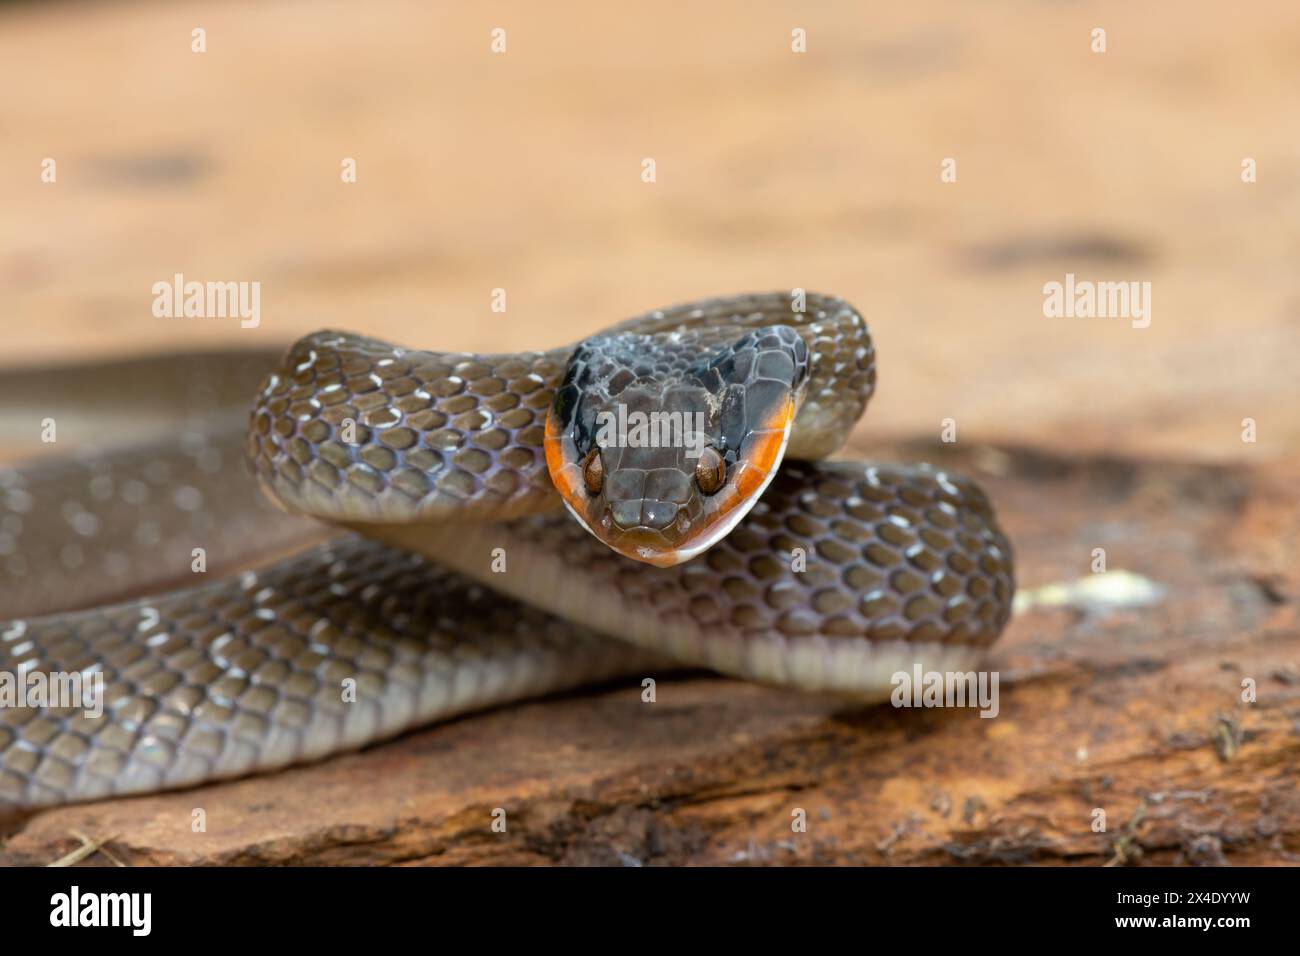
pixel 440 533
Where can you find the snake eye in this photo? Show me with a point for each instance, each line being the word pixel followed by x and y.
pixel 593 471
pixel 710 471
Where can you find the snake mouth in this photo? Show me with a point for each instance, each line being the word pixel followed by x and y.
pixel 753 468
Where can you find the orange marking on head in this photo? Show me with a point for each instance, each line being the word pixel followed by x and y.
pixel 765 450
pixel 562 476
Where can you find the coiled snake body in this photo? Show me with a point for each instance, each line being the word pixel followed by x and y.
pixel 466 586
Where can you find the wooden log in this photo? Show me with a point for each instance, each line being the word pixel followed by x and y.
pixel 1119 692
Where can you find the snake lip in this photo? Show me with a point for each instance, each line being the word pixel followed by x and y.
pixel 639 544
pixel 646 553
pixel 662 559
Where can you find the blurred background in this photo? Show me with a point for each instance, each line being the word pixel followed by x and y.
pixel 522 170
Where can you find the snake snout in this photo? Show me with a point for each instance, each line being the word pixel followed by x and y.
pixel 646 498
pixel 643 513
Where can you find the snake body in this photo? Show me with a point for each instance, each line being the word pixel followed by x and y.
pixel 453 581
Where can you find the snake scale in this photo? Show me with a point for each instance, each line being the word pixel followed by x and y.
pixel 446 578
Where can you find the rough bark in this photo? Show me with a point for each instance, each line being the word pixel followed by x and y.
pixel 1133 710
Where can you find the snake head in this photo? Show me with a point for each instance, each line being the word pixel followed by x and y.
pixel 660 444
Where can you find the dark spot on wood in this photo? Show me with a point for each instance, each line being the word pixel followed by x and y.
pixel 1070 250
pixel 1133 668
pixel 150 169
pixel 972 806
pixel 1203 850
pixel 1227 736
pixel 1270 588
